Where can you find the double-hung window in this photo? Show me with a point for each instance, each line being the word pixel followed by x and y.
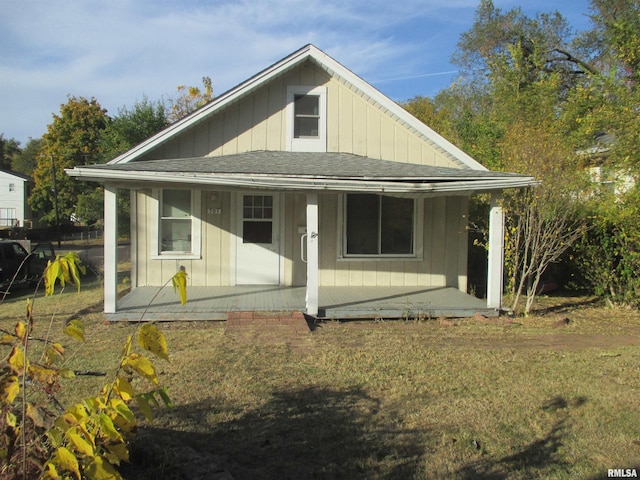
pixel 378 225
pixel 307 119
pixel 178 231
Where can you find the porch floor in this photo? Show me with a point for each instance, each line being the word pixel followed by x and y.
pixel 215 303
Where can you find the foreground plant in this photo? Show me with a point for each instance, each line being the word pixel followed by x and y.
pixel 38 438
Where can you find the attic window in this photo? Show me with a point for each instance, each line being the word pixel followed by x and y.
pixel 306 116
pixel 307 119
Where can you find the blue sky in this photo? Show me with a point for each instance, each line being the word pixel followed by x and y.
pixel 119 51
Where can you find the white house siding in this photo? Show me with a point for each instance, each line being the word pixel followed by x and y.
pixel 442 261
pixel 355 124
pixel 13 200
pixel 214 266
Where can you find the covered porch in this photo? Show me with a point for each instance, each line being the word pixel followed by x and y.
pixel 215 303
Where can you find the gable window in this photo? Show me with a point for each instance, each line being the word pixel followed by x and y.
pixel 378 225
pixel 306 119
pixel 178 227
pixel 12 187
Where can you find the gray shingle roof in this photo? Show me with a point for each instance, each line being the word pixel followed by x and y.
pixel 304 165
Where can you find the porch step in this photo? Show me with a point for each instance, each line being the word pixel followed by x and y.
pixel 268 327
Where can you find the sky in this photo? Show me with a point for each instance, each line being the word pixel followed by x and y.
pixel 121 51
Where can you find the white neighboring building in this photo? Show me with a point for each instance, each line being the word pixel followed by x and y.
pixel 14 209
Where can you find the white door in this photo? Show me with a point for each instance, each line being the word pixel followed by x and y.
pixel 258 240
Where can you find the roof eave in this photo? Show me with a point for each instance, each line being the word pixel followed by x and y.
pixel 280 182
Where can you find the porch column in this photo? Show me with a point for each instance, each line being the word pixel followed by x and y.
pixel 312 254
pixel 110 247
pixel 496 252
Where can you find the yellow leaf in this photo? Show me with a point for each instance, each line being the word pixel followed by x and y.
pixel 35 414
pixel 143 366
pixel 43 374
pixel 80 444
pixel 165 397
pixel 179 281
pixel 78 411
pixel 75 329
pixel 16 360
pixel 107 427
pixel 9 389
pixel 50 472
pixel 7 339
pixel 55 437
pixel 124 412
pixel 117 453
pixel 11 419
pixel 21 331
pixel 145 408
pixel 152 339
pixel 67 461
pixel 98 468
pixel 50 276
pixel 124 389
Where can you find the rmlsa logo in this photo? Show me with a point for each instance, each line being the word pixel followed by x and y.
pixel 623 473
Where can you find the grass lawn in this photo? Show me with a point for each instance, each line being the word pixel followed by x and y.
pixel 516 398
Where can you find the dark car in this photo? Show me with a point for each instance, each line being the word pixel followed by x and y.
pixel 21 267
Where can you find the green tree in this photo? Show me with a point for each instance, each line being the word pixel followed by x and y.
pixel 26 160
pixel 132 126
pixel 9 148
pixel 73 138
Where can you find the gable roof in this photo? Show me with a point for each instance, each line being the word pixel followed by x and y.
pixel 333 68
pixel 19 175
pixel 305 171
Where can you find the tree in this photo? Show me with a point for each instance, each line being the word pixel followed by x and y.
pixel 132 126
pixel 9 148
pixel 73 138
pixel 543 222
pixel 189 99
pixel 26 160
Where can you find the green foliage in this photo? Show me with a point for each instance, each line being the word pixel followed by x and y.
pixel 9 148
pixel 89 439
pixel 26 160
pixel 608 254
pixel 72 139
pixel 132 126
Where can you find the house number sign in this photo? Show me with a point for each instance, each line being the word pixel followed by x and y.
pixel 214 211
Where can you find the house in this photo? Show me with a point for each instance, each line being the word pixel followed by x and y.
pixel 303 180
pixel 14 191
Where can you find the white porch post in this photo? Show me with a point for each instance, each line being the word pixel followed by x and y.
pixel 110 247
pixel 312 254
pixel 496 253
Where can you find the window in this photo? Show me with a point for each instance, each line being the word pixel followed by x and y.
pixel 178 223
pixel 306 119
pixel 257 219
pixel 12 187
pixel 378 225
pixel 306 116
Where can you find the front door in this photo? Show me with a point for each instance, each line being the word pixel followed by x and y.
pixel 258 241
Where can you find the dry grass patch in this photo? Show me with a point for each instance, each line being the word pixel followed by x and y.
pixel 505 398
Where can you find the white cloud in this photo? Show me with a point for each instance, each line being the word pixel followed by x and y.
pixel 119 50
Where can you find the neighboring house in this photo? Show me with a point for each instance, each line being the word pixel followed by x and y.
pixel 610 178
pixel 14 191
pixel 303 176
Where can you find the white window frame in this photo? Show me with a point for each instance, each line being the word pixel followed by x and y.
pixel 418 235
pixel 318 144
pixel 196 226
